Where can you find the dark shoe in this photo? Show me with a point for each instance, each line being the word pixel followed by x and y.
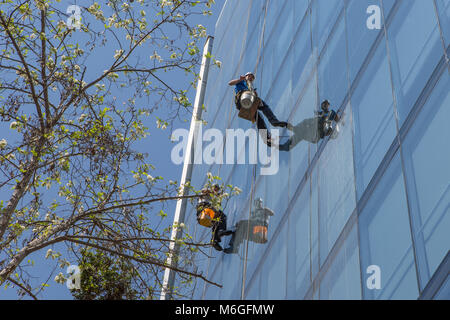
pixel 290 127
pixel 285 146
pixel 217 246
pixel 282 124
pixel 229 250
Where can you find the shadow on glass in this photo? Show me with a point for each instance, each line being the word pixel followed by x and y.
pixel 254 229
pixel 323 124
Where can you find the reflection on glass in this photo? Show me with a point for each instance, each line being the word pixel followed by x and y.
pixel 304 52
pixel 314 129
pixel 254 229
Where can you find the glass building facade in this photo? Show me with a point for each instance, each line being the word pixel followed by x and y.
pixel 378 194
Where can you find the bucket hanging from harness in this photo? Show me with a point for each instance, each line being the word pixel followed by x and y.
pixel 206 216
pixel 247 99
pixel 248 103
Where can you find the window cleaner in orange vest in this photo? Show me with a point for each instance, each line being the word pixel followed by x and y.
pixel 257 227
pixel 325 123
pixel 244 84
pixel 211 217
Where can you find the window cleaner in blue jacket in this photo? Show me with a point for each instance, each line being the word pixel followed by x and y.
pixel 242 86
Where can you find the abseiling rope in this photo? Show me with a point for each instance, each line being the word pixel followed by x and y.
pixel 244 273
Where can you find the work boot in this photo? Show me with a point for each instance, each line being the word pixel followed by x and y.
pixel 282 124
pixel 217 246
pixel 229 250
pixel 290 127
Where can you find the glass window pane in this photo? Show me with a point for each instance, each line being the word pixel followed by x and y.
pixel 324 17
pixel 273 283
pixel 299 246
pixel 300 150
pixel 224 19
pixel 427 157
pixel 232 267
pixel 256 250
pixel 333 81
pixel 415 48
pixel 300 7
pixel 276 47
pixel 279 96
pixel 360 38
pixel 385 238
pixel 314 229
pixel 444 292
pixel 273 11
pixel 211 292
pixel 303 61
pixel 283 35
pixel 253 291
pixel 373 118
pixel 387 6
pixel 337 188
pixel 342 280
pixel 443 8
pixel 277 195
pixel 256 14
pixel 251 55
pixel 230 47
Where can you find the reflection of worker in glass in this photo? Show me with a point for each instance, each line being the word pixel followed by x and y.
pixel 209 215
pixel 241 85
pixel 314 129
pixel 256 227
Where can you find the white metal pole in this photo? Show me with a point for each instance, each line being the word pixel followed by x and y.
pixel 180 210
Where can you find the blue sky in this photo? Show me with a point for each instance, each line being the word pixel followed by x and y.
pixel 157 145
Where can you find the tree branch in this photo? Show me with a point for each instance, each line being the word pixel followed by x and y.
pixel 23 288
pixel 25 65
